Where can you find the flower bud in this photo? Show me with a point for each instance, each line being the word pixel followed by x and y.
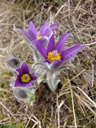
pixel 24 94
pixel 13 62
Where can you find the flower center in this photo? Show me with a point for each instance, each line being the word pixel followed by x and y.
pixel 53 56
pixel 38 37
pixel 25 78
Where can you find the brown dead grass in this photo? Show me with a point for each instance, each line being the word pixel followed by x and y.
pixel 73 106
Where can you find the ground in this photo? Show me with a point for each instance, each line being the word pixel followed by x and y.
pixel 73 104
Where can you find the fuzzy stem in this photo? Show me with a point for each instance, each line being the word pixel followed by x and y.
pixel 52 81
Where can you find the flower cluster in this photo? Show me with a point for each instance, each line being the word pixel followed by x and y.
pixel 49 57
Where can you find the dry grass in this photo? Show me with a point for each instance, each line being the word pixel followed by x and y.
pixel 73 106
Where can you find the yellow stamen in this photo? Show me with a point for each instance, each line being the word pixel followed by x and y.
pixel 25 78
pixel 51 58
pixel 38 37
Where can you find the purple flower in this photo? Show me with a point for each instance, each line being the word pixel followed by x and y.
pixel 54 55
pixel 24 78
pixel 32 34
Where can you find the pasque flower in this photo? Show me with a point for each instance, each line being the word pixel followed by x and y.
pixel 24 78
pixel 54 55
pixel 54 58
pixel 32 34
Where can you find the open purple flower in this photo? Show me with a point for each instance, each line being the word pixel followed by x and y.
pixel 43 35
pixel 24 78
pixel 54 55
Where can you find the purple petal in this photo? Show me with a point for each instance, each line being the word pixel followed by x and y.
pixel 24 68
pixel 19 70
pixel 33 77
pixel 65 60
pixel 41 49
pixel 70 52
pixel 66 55
pixel 53 26
pixel 18 83
pixel 33 43
pixel 48 32
pixel 31 34
pixel 44 41
pixel 46 61
pixel 43 29
pixel 56 64
pixel 61 42
pixel 25 34
pixel 28 84
pixel 51 45
pixel 32 28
